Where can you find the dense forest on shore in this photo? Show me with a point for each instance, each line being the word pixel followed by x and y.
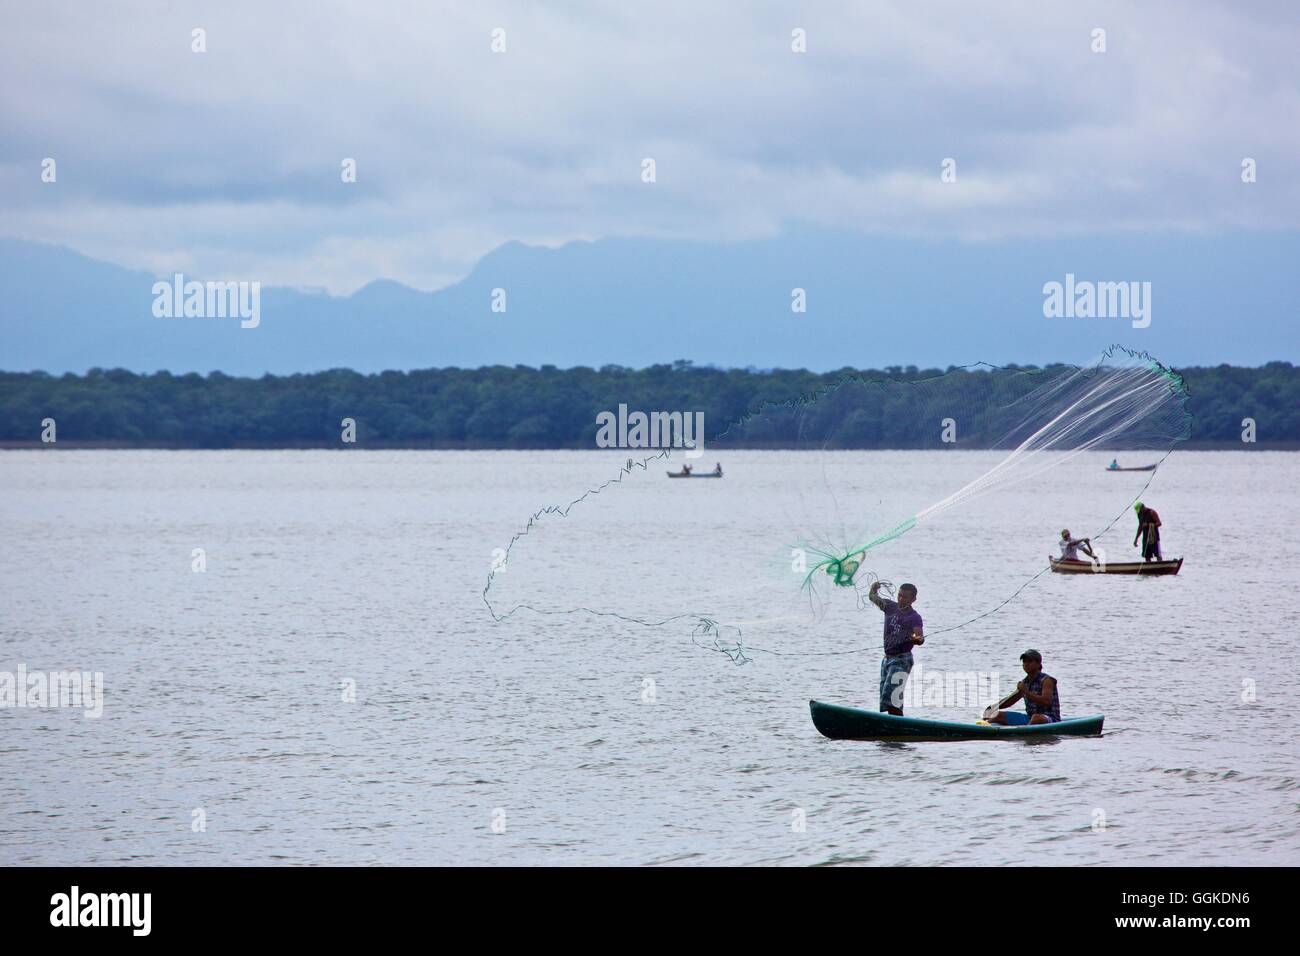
pixel 521 407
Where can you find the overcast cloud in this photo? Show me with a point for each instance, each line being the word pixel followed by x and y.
pixel 227 163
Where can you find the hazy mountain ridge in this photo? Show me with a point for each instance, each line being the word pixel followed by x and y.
pixel 636 302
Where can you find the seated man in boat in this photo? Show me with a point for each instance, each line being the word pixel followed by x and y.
pixel 686 469
pixel 1042 702
pixel 1149 531
pixel 903 630
pixel 717 469
pixel 1114 464
pixel 1070 547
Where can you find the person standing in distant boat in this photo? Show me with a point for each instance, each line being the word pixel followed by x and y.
pixel 1070 547
pixel 904 630
pixel 1149 531
pixel 1042 702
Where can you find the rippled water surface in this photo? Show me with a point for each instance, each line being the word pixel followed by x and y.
pixel 588 738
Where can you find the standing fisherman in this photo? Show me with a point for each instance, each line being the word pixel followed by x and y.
pixel 1149 531
pixel 903 630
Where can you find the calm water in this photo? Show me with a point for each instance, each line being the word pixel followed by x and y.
pixel 598 740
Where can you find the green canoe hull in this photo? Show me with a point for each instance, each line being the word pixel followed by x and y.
pixel 853 723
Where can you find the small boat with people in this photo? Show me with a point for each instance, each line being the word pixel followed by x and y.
pixel 904 631
pixel 1069 566
pixel 854 723
pixel 1148 530
pixel 1115 466
pixel 686 472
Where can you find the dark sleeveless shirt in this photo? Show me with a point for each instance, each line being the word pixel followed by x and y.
pixel 1036 685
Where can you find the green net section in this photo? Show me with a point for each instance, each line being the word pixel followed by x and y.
pixel 843 568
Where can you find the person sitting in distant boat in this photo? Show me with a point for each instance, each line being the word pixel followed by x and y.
pixel 717 469
pixel 1114 464
pixel 686 469
pixel 1042 702
pixel 1149 531
pixel 1070 547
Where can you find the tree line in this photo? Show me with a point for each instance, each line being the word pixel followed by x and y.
pixel 548 407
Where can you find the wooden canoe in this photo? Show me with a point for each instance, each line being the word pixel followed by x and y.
pixel 1140 468
pixel 703 474
pixel 1063 566
pixel 854 723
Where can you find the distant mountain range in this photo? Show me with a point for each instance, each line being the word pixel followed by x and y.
pixel 871 302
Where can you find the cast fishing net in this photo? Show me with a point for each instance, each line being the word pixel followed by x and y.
pixel 984 465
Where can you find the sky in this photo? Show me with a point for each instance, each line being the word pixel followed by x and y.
pixel 226 163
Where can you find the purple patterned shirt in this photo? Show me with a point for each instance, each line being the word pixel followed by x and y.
pixel 899 627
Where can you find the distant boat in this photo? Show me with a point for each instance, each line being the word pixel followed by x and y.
pixel 1066 566
pixel 703 474
pixel 1139 468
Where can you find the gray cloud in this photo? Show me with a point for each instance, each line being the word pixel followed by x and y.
pixel 227 163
